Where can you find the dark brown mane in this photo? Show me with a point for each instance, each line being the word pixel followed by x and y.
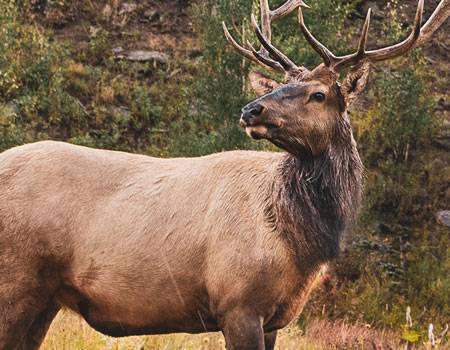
pixel 316 198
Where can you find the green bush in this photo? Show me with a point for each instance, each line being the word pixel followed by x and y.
pixel 48 91
pixel 400 119
pixel 32 82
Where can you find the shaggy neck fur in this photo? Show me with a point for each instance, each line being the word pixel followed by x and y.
pixel 315 198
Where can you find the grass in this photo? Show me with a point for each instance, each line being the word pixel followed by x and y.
pixel 70 332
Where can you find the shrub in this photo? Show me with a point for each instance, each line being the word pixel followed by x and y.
pixel 32 82
pixel 47 92
pixel 400 119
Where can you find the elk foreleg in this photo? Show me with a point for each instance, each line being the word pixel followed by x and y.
pixel 26 306
pixel 269 340
pixel 243 330
pixel 39 328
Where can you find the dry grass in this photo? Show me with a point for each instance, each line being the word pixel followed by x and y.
pixel 343 335
pixel 70 332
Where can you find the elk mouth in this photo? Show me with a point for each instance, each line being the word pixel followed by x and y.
pixel 258 130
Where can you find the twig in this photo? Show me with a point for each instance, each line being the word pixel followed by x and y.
pixel 431 335
pixel 443 334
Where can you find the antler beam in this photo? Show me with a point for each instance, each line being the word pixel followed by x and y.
pixel 418 36
pixel 439 16
pixel 268 55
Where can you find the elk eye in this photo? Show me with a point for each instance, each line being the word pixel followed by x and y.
pixel 318 96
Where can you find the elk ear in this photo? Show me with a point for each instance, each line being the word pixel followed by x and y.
pixel 261 84
pixel 355 83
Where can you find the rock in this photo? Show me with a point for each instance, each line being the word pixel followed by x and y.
pixel 151 15
pixel 447 194
pixel 443 217
pixel 107 11
pixel 127 7
pixel 142 56
pixel 117 50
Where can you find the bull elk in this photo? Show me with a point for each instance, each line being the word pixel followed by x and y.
pixel 230 242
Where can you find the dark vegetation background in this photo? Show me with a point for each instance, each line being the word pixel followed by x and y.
pixel 60 79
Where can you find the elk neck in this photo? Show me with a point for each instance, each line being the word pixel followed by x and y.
pixel 314 199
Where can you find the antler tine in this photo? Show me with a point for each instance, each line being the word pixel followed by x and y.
pixel 277 54
pixel 266 63
pixel 360 54
pixel 268 56
pixel 286 8
pixel 268 16
pixel 404 46
pixel 438 17
pixel 243 51
pixel 364 35
pixel 266 60
pixel 328 57
pixel 265 19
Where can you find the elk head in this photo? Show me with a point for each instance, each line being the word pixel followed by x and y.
pixel 306 111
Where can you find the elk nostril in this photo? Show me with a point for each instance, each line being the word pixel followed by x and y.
pixel 252 111
pixel 256 110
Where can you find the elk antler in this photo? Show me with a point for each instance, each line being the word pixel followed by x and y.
pixel 268 55
pixel 418 36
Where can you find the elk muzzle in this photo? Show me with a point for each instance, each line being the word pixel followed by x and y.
pixel 251 114
pixel 257 123
pixel 252 122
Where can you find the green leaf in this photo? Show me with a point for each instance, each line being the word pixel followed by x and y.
pixel 410 335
